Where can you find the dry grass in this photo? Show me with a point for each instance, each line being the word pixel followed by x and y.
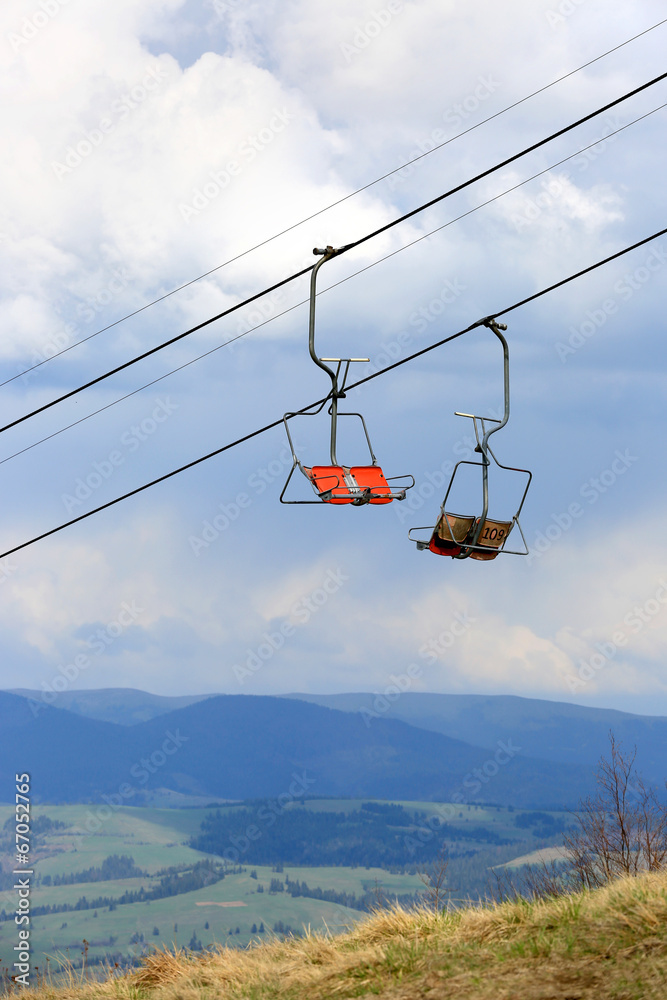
pixel 610 943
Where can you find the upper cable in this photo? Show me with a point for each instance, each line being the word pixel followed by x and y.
pixel 350 246
pixel 340 201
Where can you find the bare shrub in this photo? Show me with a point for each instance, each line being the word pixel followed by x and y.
pixel 434 879
pixel 619 830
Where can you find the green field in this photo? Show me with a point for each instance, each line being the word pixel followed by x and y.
pixel 157 839
pixel 178 917
pixel 154 837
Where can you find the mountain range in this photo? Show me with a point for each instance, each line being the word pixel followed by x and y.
pixel 118 745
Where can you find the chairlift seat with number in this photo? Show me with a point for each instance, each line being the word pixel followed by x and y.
pixel 493 536
pixel 471 536
pixel 338 484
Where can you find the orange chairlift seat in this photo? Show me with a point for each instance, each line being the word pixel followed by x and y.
pixel 478 536
pixel 336 483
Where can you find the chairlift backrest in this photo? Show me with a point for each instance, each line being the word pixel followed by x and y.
pixel 450 532
pixel 493 536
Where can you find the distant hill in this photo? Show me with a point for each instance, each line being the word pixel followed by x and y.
pixel 66 756
pixel 547 730
pixel 240 747
pixel 124 706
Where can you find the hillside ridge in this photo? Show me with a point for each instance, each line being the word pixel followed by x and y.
pixel 262 742
pixel 589 946
pixel 557 731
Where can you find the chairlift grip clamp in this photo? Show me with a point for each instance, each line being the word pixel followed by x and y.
pixel 491 322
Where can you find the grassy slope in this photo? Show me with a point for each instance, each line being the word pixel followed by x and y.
pixel 607 944
pixel 154 838
pixel 50 937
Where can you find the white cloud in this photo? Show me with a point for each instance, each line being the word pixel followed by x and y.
pixel 275 122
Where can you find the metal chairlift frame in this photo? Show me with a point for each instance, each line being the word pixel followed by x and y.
pixel 337 392
pixel 467 547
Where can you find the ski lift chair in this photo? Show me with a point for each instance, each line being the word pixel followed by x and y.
pixel 478 536
pixel 336 483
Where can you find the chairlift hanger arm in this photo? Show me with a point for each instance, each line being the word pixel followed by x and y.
pixel 492 324
pixel 337 385
pixel 340 484
pixel 325 255
pixel 483 446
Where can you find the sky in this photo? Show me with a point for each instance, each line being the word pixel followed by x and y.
pixel 148 142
